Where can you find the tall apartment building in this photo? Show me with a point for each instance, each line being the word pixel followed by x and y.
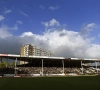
pixel 29 50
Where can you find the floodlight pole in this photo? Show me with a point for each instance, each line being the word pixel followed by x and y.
pixel 42 67
pixel 63 66
pixel 82 67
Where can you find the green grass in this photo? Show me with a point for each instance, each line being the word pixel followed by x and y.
pixel 51 83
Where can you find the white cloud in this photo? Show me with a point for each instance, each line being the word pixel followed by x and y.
pixel 4 32
pixel 26 34
pixel 19 22
pixel 2 17
pixel 24 14
pixel 5 27
pixel 8 11
pixel 46 24
pixel 42 7
pixel 63 42
pixel 88 28
pixel 91 25
pixel 93 50
pixel 54 8
pixel 52 22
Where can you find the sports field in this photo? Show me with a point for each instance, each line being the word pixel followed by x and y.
pixel 51 83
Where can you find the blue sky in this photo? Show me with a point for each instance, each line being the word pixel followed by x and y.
pixel 38 16
pixel 73 13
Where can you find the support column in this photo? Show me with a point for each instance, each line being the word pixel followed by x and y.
pixel 96 67
pixel 42 67
pixel 15 65
pixel 63 66
pixel 82 66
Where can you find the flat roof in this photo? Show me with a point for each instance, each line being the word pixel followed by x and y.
pixel 28 58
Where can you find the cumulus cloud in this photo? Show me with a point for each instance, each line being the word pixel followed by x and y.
pixel 89 27
pixel 24 14
pixel 27 34
pixel 8 11
pixel 46 24
pixel 2 17
pixel 51 23
pixel 4 32
pixel 5 29
pixel 54 7
pixel 63 42
pixel 8 42
pixel 19 22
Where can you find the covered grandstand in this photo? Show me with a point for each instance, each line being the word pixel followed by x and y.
pixel 43 65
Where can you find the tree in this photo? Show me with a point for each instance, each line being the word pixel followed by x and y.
pixel 4 64
pixel 7 64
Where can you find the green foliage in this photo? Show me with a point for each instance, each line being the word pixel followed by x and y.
pixel 4 64
pixel 7 64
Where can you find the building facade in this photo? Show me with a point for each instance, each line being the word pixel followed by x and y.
pixel 29 50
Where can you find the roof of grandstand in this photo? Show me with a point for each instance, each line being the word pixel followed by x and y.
pixel 28 58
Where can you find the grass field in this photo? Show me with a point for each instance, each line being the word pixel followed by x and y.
pixel 51 83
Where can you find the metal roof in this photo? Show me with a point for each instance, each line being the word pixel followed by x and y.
pixel 22 57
